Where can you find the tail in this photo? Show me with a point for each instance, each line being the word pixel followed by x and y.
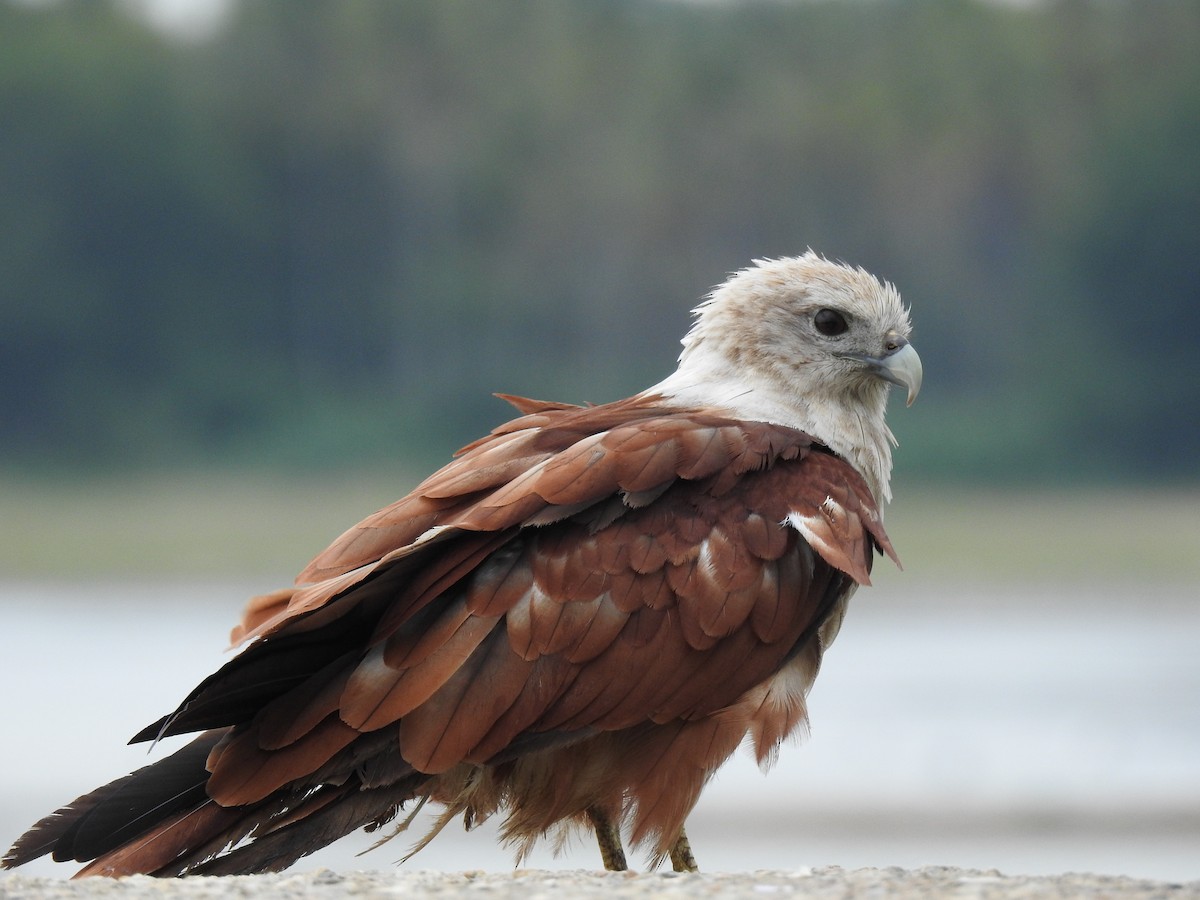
pixel 160 821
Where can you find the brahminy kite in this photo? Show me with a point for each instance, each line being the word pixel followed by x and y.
pixel 572 624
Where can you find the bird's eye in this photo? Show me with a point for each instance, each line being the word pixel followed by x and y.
pixel 830 322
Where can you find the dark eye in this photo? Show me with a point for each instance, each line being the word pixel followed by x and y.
pixel 830 322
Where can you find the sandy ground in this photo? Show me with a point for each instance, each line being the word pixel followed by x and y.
pixel 534 884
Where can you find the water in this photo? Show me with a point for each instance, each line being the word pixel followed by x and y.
pixel 1033 729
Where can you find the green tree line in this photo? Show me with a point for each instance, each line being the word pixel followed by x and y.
pixel 326 233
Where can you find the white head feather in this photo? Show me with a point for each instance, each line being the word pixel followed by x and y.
pixel 758 350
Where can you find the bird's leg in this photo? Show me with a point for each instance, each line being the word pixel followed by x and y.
pixel 608 836
pixel 681 855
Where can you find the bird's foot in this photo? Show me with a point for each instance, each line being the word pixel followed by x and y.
pixel 682 859
pixel 608 836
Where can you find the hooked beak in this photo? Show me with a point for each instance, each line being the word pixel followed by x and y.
pixel 899 364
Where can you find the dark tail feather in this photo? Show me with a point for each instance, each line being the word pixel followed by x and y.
pixel 157 851
pixel 110 816
pixel 160 821
pixel 281 830
pixel 309 830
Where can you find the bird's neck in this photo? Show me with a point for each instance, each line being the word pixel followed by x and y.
pixel 855 430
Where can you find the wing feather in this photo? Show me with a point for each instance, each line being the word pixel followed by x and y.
pixel 244 772
pixel 629 570
pixel 671 608
pixel 380 693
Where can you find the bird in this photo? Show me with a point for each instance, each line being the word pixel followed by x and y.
pixel 571 625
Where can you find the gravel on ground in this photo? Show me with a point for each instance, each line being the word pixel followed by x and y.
pixel 533 884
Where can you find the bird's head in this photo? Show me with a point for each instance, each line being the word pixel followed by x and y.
pixel 809 343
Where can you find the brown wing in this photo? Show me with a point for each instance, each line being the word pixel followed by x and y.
pixel 662 583
pixel 630 582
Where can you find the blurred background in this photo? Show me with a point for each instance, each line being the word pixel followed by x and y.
pixel 262 265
